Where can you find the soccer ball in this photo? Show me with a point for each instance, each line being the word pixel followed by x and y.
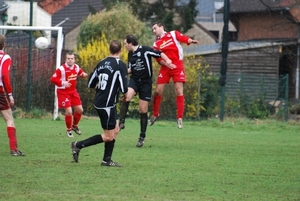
pixel 41 43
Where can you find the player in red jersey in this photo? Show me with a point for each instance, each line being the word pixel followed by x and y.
pixel 7 99
pixel 65 78
pixel 169 43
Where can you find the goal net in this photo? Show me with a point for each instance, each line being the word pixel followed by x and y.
pixel 32 67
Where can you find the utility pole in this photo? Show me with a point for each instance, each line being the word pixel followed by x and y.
pixel 29 78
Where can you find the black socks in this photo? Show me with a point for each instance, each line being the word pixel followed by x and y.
pixel 96 139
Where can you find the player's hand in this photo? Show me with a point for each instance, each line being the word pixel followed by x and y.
pixel 168 62
pixel 66 84
pixel 11 100
pixel 193 41
pixel 83 74
pixel 171 66
pixel 123 99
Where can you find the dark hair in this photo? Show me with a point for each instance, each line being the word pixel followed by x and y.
pixel 132 39
pixel 70 53
pixel 115 47
pixel 160 24
pixel 2 41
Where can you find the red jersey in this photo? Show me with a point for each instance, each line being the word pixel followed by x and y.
pixel 5 63
pixel 169 43
pixel 66 73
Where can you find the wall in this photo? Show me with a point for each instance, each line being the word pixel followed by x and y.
pixel 265 26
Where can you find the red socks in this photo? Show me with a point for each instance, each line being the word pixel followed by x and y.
pixel 156 105
pixel 76 118
pixel 69 121
pixel 11 133
pixel 180 106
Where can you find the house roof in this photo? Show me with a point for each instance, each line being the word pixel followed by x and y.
pixel 242 6
pixel 73 14
pixel 237 45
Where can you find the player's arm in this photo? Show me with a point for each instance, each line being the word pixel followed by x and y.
pixel 93 79
pixel 6 76
pixel 129 68
pixel 123 79
pixel 184 39
pixel 55 78
pixel 82 74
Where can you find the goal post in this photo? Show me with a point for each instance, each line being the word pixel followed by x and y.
pixel 59 46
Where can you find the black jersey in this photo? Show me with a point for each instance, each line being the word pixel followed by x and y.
pixel 140 62
pixel 109 77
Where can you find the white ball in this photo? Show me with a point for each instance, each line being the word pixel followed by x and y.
pixel 41 43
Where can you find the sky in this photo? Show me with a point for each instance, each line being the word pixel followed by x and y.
pixel 205 7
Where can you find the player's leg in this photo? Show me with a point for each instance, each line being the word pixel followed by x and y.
pixel 78 110
pixel 179 78
pixel 69 121
pixel 145 93
pixel 143 108
pixel 11 132
pixel 178 86
pixel 124 107
pixel 111 131
pixel 163 78
pixel 64 102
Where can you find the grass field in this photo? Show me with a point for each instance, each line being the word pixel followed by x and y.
pixel 206 160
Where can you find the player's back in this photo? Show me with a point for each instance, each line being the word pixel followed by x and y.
pixel 110 77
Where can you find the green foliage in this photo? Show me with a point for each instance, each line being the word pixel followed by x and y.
pixel 115 23
pixel 173 13
pixel 257 109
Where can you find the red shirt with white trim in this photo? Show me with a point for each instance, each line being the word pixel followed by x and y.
pixel 66 73
pixel 169 43
pixel 5 64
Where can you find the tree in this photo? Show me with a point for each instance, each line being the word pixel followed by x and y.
pixel 183 15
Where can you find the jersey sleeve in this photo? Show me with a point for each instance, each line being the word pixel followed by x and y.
pixel 6 75
pixel 181 38
pixel 124 76
pixel 93 79
pixel 155 47
pixel 154 53
pixel 55 78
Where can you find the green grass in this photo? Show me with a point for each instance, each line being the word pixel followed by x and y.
pixel 207 160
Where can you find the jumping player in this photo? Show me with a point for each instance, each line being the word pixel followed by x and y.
pixel 169 43
pixel 140 68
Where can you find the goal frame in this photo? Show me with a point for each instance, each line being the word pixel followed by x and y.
pixel 59 46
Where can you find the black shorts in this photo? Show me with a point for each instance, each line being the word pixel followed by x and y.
pixel 142 87
pixel 108 117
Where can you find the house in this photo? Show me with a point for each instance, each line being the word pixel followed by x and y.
pixel 266 47
pixel 71 16
pixel 18 13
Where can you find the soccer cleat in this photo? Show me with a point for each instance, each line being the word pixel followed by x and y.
pixel 69 134
pixel 75 151
pixel 16 152
pixel 152 120
pixel 140 142
pixel 110 164
pixel 76 130
pixel 179 123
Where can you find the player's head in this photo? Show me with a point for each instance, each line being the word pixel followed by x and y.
pixel 130 41
pixel 70 58
pixel 158 28
pixel 2 42
pixel 115 47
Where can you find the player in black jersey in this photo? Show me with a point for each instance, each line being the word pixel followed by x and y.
pixel 108 78
pixel 140 68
